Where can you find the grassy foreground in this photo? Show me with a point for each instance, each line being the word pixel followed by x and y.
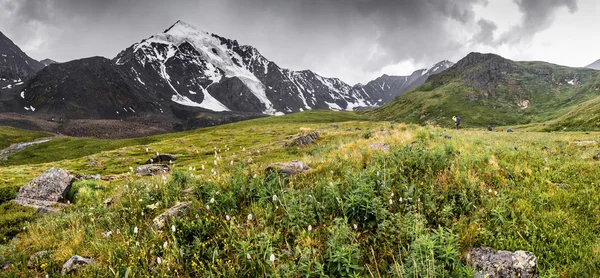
pixel 412 211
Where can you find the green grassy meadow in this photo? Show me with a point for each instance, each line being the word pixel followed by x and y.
pixel 412 211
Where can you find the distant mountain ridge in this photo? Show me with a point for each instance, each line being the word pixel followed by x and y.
pixel 386 87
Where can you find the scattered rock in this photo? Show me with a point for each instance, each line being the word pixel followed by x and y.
pixel 6 265
pixel 161 158
pixel 586 143
pixel 80 177
pixel 159 222
pixel 188 191
pixel 304 140
pixel 93 162
pixel 288 168
pixel 488 263
pixel 152 169
pixel 544 148
pixel 75 263
pixel 597 156
pixel 34 259
pixel 447 137
pixel 334 126
pixel 108 202
pixel 45 191
pixel 384 147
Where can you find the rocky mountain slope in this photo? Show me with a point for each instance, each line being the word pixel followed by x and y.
pixel 387 87
pixel 486 89
pixel 47 62
pixel 14 63
pixel 594 65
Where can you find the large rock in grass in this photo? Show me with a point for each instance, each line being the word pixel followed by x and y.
pixel 152 169
pixel 288 168
pixel 490 264
pixel 161 158
pixel 75 263
pixel 46 191
pixel 304 140
pixel 178 210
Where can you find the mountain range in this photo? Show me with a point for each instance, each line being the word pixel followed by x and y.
pixel 178 76
pixel 487 89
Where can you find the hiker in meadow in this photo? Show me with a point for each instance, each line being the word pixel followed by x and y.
pixel 456 120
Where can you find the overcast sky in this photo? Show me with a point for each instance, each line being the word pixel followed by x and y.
pixel 355 40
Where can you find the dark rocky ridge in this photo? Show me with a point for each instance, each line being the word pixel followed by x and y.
pixel 14 63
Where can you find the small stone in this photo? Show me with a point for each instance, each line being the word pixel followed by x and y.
pixel 384 147
pixel 161 158
pixel 489 263
pixel 288 168
pixel 152 169
pixel 75 263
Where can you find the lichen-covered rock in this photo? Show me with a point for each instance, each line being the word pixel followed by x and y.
pixel 159 222
pixel 81 177
pixel 152 169
pixel 45 191
pixel 490 264
pixel 161 158
pixel 288 168
pixel 75 263
pixel 304 140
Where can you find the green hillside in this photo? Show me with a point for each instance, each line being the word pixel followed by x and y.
pixel 411 211
pixel 486 89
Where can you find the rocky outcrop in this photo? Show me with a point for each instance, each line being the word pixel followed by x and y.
pixel 490 264
pixel 161 158
pixel 288 168
pixel 75 263
pixel 46 191
pixel 178 210
pixel 152 169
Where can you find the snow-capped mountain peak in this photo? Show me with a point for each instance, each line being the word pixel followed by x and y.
pixel 188 60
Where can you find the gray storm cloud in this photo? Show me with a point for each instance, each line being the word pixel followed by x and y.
pixel 350 39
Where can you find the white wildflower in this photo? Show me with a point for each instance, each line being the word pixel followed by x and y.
pixel 173 228
pixel 255 176
pixel 227 217
pixel 146 150
pixel 165 244
pixel 202 166
pixel 231 163
pixel 272 258
pixel 215 162
pixel 249 216
pixel 135 230
pixel 158 260
pixel 207 207
pixel 309 228
pixel 355 226
pixel 137 243
pixel 248 256
pixel 391 202
pixel 274 198
pixel 212 200
pixel 190 169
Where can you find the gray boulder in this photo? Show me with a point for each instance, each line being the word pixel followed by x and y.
pixel 152 169
pixel 161 158
pixel 45 191
pixel 178 210
pixel 75 263
pixel 490 264
pixel 288 168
